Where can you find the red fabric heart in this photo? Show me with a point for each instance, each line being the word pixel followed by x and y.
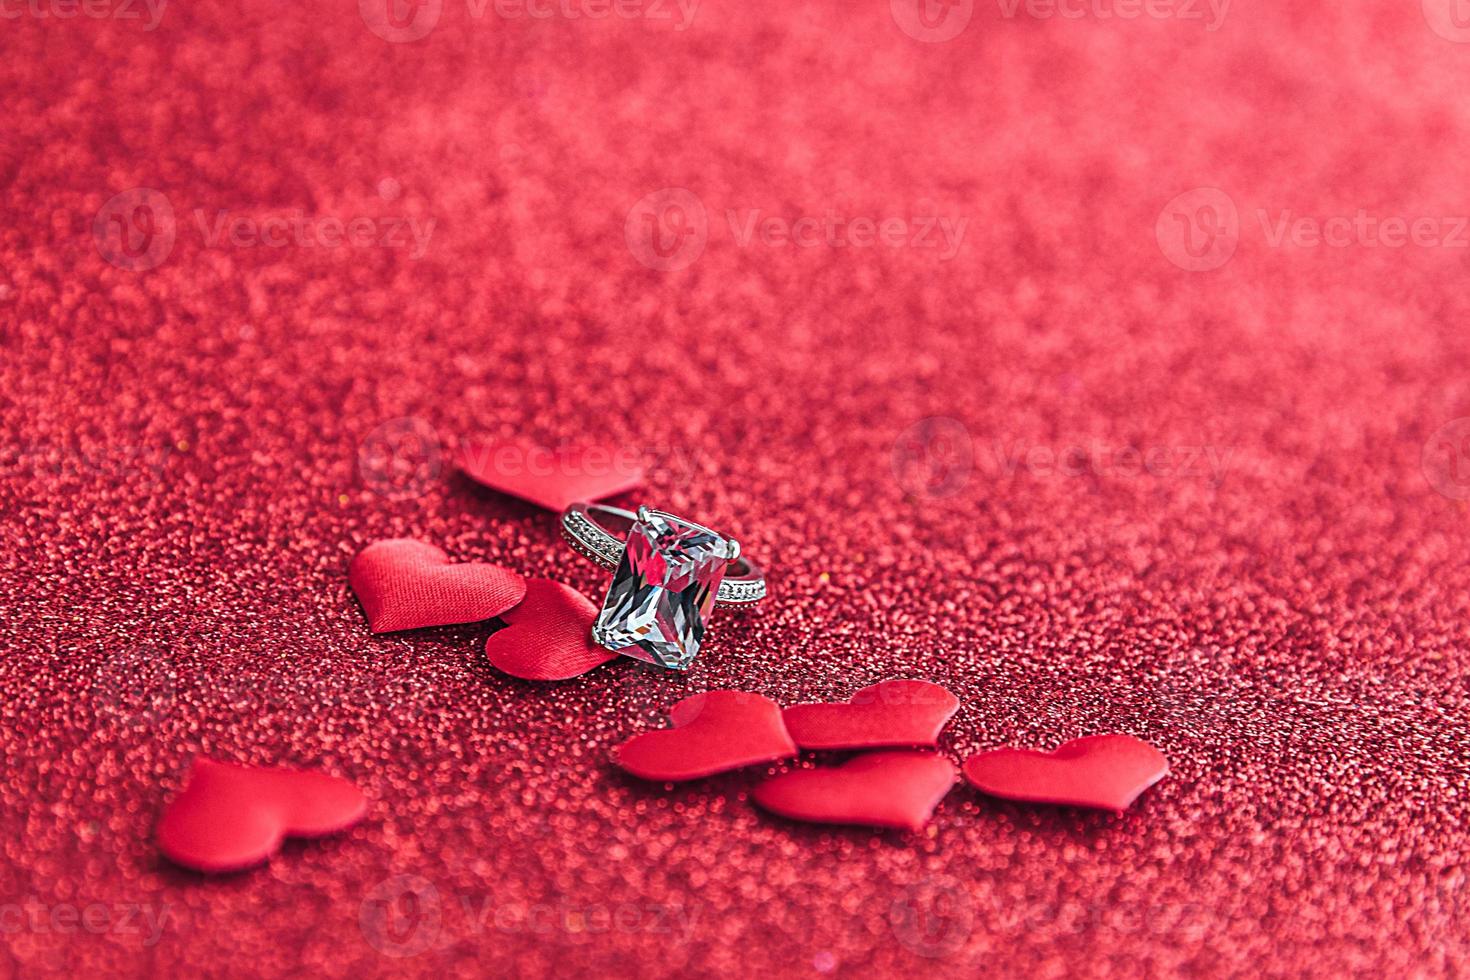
pixel 552 478
pixel 889 713
pixel 883 789
pixel 548 637
pixel 713 732
pixel 230 817
pixel 405 584
pixel 1103 771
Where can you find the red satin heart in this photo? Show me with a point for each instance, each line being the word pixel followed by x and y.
pixel 713 732
pixel 883 789
pixel 405 584
pixel 230 817
pixel 1103 771
pixel 552 478
pixel 548 637
pixel 889 713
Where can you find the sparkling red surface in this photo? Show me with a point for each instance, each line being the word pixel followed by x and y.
pixel 193 452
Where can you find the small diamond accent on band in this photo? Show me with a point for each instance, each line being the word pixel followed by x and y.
pixel 591 541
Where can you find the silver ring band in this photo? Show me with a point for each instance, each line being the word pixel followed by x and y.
pixel 584 527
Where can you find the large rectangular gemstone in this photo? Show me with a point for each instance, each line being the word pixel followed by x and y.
pixel 662 591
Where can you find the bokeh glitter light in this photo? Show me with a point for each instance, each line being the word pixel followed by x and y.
pixel 1199 505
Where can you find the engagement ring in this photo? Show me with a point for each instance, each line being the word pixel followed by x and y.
pixel 668 574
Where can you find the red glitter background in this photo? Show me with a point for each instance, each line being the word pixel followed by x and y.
pixel 196 439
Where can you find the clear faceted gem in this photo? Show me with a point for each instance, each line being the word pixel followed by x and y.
pixel 662 592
